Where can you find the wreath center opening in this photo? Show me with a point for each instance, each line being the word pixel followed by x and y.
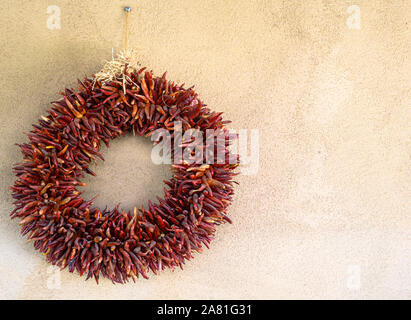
pixel 128 176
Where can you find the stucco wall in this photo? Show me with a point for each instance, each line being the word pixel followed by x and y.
pixel 328 213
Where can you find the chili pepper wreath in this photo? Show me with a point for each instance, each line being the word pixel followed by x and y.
pixel 118 244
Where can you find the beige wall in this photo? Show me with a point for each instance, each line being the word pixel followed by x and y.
pixel 332 105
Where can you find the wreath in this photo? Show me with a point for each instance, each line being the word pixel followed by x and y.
pixel 120 244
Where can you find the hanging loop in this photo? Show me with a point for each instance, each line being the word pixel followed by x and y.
pixel 127 10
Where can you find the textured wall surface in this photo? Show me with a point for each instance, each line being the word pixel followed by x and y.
pixel 328 213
